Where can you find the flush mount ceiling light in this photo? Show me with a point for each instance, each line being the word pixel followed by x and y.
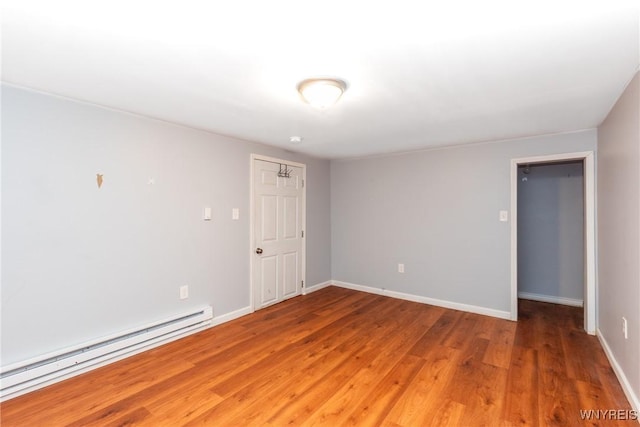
pixel 323 92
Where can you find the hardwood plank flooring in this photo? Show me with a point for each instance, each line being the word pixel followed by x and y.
pixel 341 357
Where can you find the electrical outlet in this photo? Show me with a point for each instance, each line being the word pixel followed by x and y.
pixel 625 331
pixel 184 292
pixel 400 268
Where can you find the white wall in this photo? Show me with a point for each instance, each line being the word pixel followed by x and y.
pixel 80 262
pixel 551 230
pixel 619 233
pixel 436 211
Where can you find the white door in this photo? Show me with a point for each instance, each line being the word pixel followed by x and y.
pixel 278 234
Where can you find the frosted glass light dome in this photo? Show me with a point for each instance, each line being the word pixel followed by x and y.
pixel 321 93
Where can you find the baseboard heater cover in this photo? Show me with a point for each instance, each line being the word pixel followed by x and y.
pixel 28 375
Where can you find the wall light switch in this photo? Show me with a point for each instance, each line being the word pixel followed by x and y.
pixel 504 216
pixel 235 213
pixel 184 292
pixel 400 268
pixel 206 215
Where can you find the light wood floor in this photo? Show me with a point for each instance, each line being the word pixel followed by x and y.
pixel 340 357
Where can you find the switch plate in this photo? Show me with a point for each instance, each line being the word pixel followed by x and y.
pixel 400 268
pixel 235 213
pixel 504 216
pixel 184 292
pixel 206 214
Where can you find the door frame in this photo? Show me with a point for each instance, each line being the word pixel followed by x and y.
pixel 252 214
pixel 590 285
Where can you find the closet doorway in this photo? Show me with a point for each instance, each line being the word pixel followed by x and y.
pixel 552 232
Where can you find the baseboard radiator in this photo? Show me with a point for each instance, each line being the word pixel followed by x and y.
pixel 22 377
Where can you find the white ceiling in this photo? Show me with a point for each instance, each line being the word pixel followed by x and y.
pixel 420 73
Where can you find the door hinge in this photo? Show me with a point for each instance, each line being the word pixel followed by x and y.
pixel 303 183
pixel 303 283
pixel 302 233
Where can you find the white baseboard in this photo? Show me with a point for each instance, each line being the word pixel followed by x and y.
pixel 218 320
pixel 352 286
pixel 309 289
pixel 426 300
pixel 633 398
pixel 552 299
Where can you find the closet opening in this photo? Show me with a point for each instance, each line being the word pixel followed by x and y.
pixel 553 254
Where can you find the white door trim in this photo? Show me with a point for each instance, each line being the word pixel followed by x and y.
pixel 589 233
pixel 303 267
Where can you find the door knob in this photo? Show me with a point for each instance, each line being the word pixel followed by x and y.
pixel 259 251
